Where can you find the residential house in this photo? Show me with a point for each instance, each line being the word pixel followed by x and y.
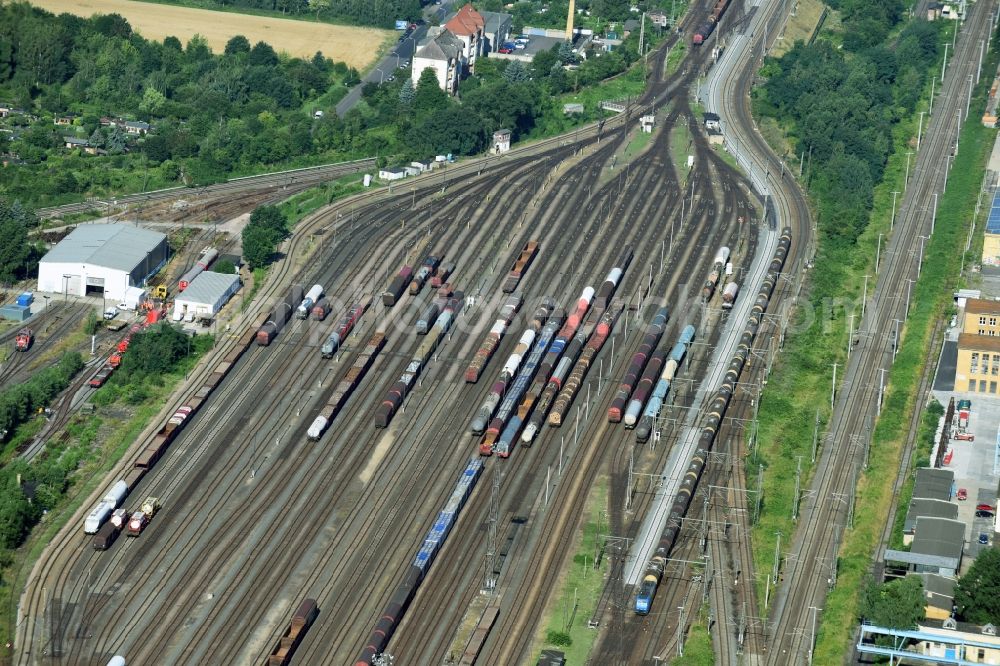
pixel 952 641
pixel 496 29
pixel 712 121
pixel 443 53
pixel 469 27
pixel 72 142
pixel 65 118
pixel 9 110
pixel 658 17
pixel 630 26
pixel 136 127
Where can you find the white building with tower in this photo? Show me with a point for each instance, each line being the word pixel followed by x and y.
pixel 102 260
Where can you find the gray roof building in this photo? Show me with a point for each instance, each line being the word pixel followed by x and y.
pixel 102 258
pixel 930 508
pixel 933 483
pixel 497 28
pixel 939 591
pixel 206 294
pixel 940 538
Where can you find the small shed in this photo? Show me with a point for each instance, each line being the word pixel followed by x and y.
pixel 715 137
pixel 712 121
pixel 647 122
pixel 205 296
pixel 15 312
pixel 392 173
pixel 422 165
pixel 572 108
pixel 501 141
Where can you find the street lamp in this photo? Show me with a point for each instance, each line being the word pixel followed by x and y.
pixel 381 75
pixel 65 287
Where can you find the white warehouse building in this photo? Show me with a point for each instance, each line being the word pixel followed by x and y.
pixel 102 259
pixel 205 296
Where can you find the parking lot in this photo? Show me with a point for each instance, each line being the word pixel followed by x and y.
pixel 973 465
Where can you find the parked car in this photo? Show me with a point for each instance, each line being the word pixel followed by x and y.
pixel 964 436
pixel 962 494
pixel 984 514
pixel 111 313
pixel 984 537
pixel 984 507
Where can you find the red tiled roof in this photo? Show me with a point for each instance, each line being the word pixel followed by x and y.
pixel 466 22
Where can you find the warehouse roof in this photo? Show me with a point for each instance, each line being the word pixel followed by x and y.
pixel 116 246
pixel 933 483
pixel 208 287
pixel 938 536
pixel 993 221
pixel 938 590
pixel 936 508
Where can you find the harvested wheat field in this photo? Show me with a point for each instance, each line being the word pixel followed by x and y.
pixel 355 46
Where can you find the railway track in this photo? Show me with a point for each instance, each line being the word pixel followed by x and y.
pixel 811 562
pixel 216 573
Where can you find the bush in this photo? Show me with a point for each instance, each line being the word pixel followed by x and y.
pixel 559 638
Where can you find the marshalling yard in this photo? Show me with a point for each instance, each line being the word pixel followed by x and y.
pixel 357 478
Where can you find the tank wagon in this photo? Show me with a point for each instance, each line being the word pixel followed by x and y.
pixel 423 273
pixel 311 298
pixel 652 411
pixel 718 266
pixel 650 339
pixel 729 295
pixel 710 425
pixel 644 388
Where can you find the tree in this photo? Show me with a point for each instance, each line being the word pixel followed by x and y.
pixel 15 253
pixel 116 141
pixel 429 97
pixel 262 55
pixel 237 44
pixel 97 138
pixel 977 593
pixel 224 266
pixel 516 72
pixel 898 604
pixel 407 92
pixel 267 227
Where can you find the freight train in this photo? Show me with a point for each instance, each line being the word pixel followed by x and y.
pixel 398 391
pixel 396 287
pixel 311 298
pixel 496 333
pixel 650 339
pixel 280 315
pixel 343 328
pixel 346 386
pixel 575 380
pixel 507 374
pixel 520 266
pixel 710 425
pixel 400 600
pixel 718 266
pixel 708 27
pixel 645 426
pixel 423 273
pixel 644 388
pixel 208 255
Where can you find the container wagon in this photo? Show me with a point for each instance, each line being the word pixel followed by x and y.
pixel 442 274
pixel 321 310
pixel 106 536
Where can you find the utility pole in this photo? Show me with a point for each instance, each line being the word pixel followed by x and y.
pixel 815 437
pixel 878 252
pixel 892 221
pixel 864 297
pixel 920 128
pixel 795 502
pixel 812 638
pixel 934 213
pixel 920 257
pixel 833 388
pixel 906 177
pixel 945 61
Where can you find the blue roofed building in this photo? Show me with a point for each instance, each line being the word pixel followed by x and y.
pixel 991 241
